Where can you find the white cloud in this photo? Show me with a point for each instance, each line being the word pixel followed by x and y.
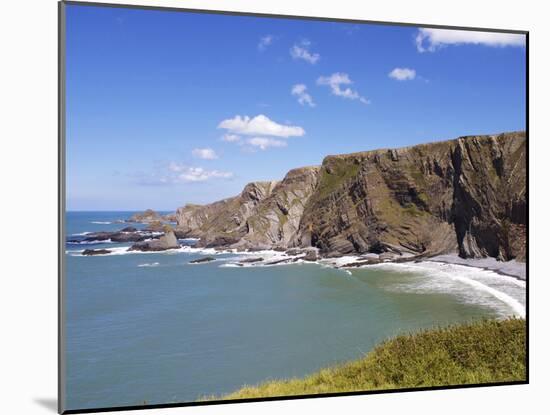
pixel 264 42
pixel 171 173
pixel 402 74
pixel 204 153
pixel 335 81
pixel 180 173
pixel 304 98
pixel 429 40
pixel 264 143
pixel 260 125
pixel 231 138
pixel 301 51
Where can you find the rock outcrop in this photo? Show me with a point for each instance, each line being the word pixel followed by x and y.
pixel 202 260
pixel 128 234
pixel 92 252
pixel 165 242
pixel 224 222
pixel 149 216
pixel 145 217
pixel 466 195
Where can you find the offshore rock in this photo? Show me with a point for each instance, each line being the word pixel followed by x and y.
pixel 165 242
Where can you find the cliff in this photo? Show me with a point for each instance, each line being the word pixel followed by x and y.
pixel 224 222
pixel 466 195
pixel 277 218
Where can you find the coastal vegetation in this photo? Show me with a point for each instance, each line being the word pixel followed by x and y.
pixel 487 351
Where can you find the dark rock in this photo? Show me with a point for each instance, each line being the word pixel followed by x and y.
pixel 91 252
pixel 394 156
pixel 117 236
pixel 224 241
pixel 279 261
pixel 122 237
pixel 311 255
pixel 202 260
pixel 128 229
pixel 181 234
pixel 97 236
pixel 250 260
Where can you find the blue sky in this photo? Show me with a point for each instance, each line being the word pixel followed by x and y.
pixel 166 108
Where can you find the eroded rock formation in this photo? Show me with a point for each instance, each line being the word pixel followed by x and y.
pixel 466 195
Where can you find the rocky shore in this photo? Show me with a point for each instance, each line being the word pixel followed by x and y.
pixel 128 234
pixel 149 239
pixel 465 196
pixel 258 257
pixel 460 201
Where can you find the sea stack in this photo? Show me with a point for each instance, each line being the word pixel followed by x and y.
pixel 165 242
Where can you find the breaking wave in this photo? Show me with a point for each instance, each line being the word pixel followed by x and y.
pixel 505 294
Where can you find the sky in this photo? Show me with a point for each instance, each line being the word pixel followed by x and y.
pixel 165 108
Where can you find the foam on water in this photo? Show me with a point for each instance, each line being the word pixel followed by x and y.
pixel 268 256
pixel 123 250
pixel 152 264
pixel 94 242
pixel 203 251
pixel 96 222
pixel 506 294
pixel 341 261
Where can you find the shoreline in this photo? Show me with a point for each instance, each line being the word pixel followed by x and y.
pixel 512 268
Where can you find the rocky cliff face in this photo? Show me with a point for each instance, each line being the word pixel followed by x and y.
pixel 276 219
pixel 466 195
pixel 223 222
pixel 489 206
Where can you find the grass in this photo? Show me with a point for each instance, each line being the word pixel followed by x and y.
pixel 481 352
pixel 342 170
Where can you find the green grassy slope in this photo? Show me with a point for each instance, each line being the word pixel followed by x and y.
pixel 481 352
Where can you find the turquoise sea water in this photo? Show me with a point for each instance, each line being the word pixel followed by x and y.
pixel 152 328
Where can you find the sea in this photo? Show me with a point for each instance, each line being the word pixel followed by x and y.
pixel 151 328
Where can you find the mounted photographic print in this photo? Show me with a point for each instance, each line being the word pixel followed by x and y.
pixel 261 206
